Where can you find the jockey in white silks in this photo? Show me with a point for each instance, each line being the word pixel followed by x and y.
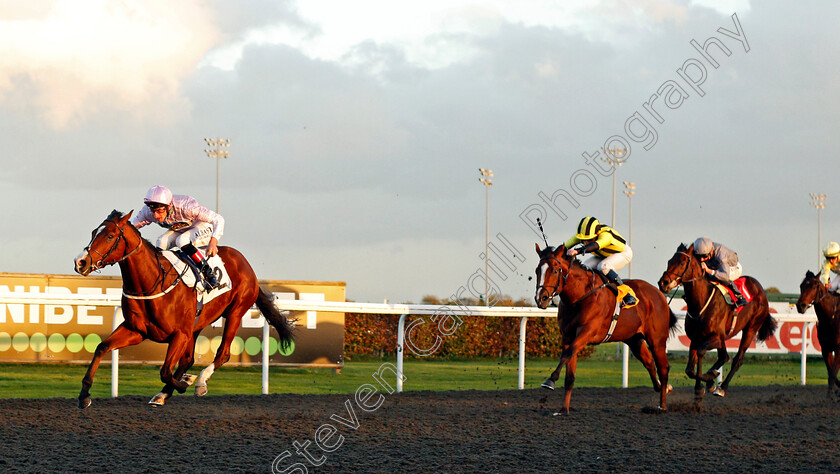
pixel 831 267
pixel 187 222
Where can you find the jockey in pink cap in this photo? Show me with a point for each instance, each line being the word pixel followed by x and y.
pixel 189 225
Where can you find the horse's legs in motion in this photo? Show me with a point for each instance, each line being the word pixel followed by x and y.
pixel 121 337
pixel 747 338
pixel 695 364
pixel 555 375
pixel 656 365
pixel 223 353
pixel 187 360
pixel 569 383
pixel 569 359
pixel 641 352
pixel 831 367
pixel 178 345
pixel 714 371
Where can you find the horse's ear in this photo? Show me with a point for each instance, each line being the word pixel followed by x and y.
pixel 539 252
pixel 128 216
pixel 809 274
pixel 561 250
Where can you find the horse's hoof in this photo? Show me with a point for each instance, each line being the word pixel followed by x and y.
pixel 669 389
pixel 549 384
pixel 719 392
pixel 200 390
pixel 188 379
pixel 84 403
pixel 158 400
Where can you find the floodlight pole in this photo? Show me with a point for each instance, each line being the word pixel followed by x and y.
pixel 818 201
pixel 615 157
pixel 218 154
pixel 487 180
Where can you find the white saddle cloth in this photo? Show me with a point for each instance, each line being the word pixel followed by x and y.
pixel 188 277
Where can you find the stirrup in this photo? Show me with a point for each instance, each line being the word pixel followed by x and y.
pixel 628 301
pixel 209 277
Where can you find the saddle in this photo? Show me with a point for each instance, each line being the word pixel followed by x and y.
pixel 729 296
pixel 192 277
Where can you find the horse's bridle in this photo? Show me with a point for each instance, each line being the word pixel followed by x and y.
pixel 559 270
pixel 682 275
pixel 817 298
pixel 103 257
pixel 565 277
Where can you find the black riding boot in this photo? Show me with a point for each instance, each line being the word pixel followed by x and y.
pixel 628 300
pixel 210 280
pixel 739 298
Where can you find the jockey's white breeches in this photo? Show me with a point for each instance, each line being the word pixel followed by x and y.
pixel 198 234
pixel 616 261
pixel 735 272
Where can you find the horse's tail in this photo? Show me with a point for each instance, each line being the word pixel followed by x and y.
pixel 767 328
pixel 672 322
pixel 285 329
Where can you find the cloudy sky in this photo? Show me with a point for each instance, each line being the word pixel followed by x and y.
pixel 357 130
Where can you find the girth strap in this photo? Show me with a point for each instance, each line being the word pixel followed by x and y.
pixel 613 323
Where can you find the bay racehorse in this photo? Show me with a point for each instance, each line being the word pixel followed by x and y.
pixel 585 316
pixel 827 306
pixel 157 305
pixel 710 321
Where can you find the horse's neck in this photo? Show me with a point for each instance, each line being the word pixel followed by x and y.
pixel 828 304
pixel 697 293
pixel 142 270
pixel 579 282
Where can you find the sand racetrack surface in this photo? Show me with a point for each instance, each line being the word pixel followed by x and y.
pixel 767 429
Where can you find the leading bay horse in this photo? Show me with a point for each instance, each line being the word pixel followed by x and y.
pixel 710 320
pixel 156 305
pixel 586 314
pixel 827 306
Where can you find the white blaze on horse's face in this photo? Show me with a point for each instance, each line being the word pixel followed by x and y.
pixel 83 260
pixel 543 297
pixel 543 273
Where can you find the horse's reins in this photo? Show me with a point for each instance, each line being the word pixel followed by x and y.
pixel 565 277
pixel 102 257
pixel 825 293
pixel 102 262
pixel 682 282
pixel 708 301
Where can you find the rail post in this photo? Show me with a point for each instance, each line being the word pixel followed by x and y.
pixel 400 346
pixel 115 360
pixel 265 356
pixel 522 325
pixel 804 361
pixel 625 366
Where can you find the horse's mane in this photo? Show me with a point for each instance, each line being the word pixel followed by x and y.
pixel 116 215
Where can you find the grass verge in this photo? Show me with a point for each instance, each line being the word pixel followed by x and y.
pixel 602 369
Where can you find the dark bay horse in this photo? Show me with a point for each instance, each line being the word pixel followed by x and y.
pixel 586 314
pixel 710 321
pixel 827 306
pixel 156 305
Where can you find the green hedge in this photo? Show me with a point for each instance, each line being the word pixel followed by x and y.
pixel 376 335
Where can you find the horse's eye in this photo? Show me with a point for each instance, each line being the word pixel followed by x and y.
pixel 110 236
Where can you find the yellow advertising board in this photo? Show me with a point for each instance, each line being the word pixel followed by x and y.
pixel 70 333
